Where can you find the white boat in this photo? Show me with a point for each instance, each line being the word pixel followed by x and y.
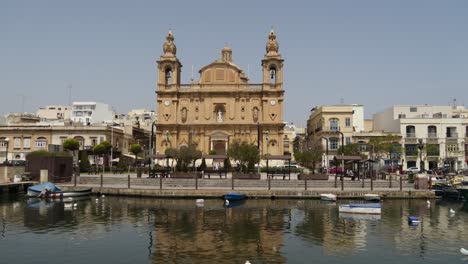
pixel 371 197
pixel 464 251
pixel 327 197
pixel 364 208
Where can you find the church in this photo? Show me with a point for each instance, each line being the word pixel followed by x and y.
pixel 222 106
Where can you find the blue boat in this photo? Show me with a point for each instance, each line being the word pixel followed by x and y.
pixel 413 220
pixel 49 190
pixel 234 196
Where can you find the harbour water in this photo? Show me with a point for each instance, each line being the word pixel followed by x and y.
pixel 136 230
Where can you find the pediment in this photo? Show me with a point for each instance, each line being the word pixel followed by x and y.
pixel 221 72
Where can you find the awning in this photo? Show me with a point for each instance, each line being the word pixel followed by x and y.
pixel 129 156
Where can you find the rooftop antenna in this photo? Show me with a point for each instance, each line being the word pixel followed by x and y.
pixel 454 102
pixel 342 100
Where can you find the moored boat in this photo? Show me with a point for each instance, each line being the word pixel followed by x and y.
pixel 234 196
pixel 371 197
pixel 364 208
pixel 327 197
pixel 49 190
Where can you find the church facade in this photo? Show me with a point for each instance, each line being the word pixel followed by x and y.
pixel 222 106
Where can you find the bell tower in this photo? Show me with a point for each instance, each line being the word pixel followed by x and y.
pixel 169 66
pixel 272 64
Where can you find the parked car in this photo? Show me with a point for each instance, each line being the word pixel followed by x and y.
pixel 412 170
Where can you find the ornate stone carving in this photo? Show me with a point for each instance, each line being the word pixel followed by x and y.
pixel 184 115
pixel 169 48
pixel 255 114
pixel 272 46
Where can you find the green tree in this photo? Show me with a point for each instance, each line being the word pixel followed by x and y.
pixel 71 144
pixel 386 146
pixel 171 153
pixel 432 150
pixel 84 161
pixel 135 149
pixel 187 155
pixel 227 164
pixel 246 154
pixel 310 155
pixel 352 149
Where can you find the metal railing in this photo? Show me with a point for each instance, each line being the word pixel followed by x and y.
pixel 411 135
pixel 452 135
pixel 432 135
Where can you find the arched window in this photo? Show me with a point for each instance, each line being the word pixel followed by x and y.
pixel 333 143
pixel 40 143
pixel 168 76
pixel 431 131
pixel 334 124
pixel 219 113
pixel 410 132
pixel 272 74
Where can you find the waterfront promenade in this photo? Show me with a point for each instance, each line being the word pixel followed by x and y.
pixel 131 185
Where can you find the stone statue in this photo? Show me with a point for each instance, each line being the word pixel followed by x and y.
pixel 272 44
pixel 220 116
pixel 184 115
pixel 255 114
pixel 169 48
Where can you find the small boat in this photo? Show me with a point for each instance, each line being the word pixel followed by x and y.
pixel 413 220
pixel 364 208
pixel 372 197
pixel 328 197
pixel 49 190
pixel 234 196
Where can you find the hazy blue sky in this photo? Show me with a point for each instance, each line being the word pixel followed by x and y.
pixel 376 53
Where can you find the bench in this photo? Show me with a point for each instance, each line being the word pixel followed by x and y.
pixel 159 173
pixel 208 173
pixel 278 172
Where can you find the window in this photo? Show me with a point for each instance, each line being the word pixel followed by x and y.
pixel 17 143
pixel 348 122
pixel 168 76
pixel 452 148
pixel 401 116
pixel 333 143
pixel 27 143
pixel 410 132
pixel 62 139
pixel 413 109
pixel 272 75
pixel 334 124
pixel 348 140
pixel 93 141
pixel 431 131
pixel 40 143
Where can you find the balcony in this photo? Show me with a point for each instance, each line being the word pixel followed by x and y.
pixel 452 135
pixel 432 138
pixel 431 135
pixel 410 135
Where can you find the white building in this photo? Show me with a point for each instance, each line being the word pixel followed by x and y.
pixel 440 131
pixel 89 113
pixel 54 112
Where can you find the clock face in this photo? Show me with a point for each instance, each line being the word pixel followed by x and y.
pixel 272 102
pixel 167 102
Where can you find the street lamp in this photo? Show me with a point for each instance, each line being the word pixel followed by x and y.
pixel 267 139
pixel 421 162
pixel 342 154
pixel 326 153
pixel 152 144
pixel 6 150
pixel 168 143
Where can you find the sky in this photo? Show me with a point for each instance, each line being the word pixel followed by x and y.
pixel 370 52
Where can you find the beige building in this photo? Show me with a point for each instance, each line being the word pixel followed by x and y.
pixel 22 139
pixel 54 112
pixel 222 106
pixel 327 122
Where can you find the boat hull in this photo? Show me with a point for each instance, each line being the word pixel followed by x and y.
pixel 235 196
pixel 464 191
pixel 328 197
pixel 372 197
pixel 360 209
pixel 61 194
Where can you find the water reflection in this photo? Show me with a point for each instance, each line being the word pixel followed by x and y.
pixel 262 231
